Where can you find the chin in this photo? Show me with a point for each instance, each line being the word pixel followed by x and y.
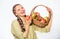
pixel 23 14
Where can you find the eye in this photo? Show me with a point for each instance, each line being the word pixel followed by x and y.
pixel 22 7
pixel 18 9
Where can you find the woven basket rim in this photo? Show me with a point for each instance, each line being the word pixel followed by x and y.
pixel 48 9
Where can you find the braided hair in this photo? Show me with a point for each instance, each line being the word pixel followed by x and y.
pixel 19 19
pixel 21 24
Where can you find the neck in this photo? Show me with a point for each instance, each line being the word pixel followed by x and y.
pixel 22 17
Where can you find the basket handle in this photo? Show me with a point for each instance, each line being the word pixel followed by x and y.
pixel 48 9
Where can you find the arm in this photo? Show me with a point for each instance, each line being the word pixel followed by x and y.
pixel 27 24
pixel 27 31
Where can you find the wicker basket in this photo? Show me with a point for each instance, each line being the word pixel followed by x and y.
pixel 36 22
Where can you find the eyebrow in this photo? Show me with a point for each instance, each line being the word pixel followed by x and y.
pixel 22 7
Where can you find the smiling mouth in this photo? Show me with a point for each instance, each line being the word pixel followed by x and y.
pixel 22 12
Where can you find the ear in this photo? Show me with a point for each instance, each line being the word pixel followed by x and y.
pixel 15 14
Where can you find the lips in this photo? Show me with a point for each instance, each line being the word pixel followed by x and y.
pixel 23 11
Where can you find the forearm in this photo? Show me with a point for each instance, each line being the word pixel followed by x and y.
pixel 26 31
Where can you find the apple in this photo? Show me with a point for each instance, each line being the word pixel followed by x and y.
pixel 39 18
pixel 27 17
pixel 42 21
pixel 38 15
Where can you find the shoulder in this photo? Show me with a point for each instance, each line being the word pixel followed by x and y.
pixel 14 22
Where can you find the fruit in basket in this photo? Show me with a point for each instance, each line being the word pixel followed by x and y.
pixel 42 21
pixel 46 19
pixel 38 15
pixel 33 15
pixel 36 18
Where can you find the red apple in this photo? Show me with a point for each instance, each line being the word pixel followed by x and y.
pixel 38 15
pixel 42 21
pixel 27 17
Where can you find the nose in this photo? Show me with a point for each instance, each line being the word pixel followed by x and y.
pixel 23 11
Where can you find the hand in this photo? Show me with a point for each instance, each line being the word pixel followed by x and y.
pixel 28 20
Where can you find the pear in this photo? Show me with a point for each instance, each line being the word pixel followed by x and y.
pixel 33 15
pixel 46 19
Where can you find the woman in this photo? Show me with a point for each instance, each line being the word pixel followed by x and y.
pixel 21 28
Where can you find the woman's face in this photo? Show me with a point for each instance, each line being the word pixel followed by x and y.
pixel 20 11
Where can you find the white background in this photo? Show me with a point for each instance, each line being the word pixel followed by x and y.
pixel 6 17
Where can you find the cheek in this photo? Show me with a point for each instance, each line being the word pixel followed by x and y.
pixel 17 12
pixel 20 12
pixel 23 11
